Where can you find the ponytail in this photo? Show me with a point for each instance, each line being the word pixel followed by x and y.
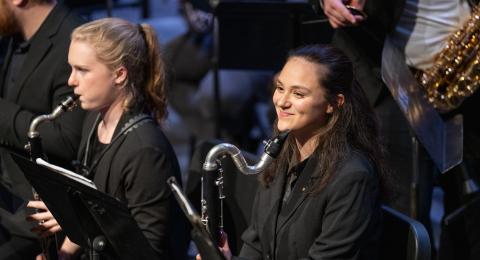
pixel 120 43
pixel 155 76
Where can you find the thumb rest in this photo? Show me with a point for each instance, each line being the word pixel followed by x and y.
pixel 455 74
pixel 35 149
pixel 211 198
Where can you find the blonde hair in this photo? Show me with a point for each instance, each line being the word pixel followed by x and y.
pixel 117 43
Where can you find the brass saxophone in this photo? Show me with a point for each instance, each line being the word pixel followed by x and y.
pixel 455 74
pixel 34 148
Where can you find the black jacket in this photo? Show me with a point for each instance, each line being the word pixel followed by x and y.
pixel 134 170
pixel 41 85
pixel 340 222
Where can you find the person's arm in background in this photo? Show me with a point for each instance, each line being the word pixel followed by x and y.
pixel 61 136
pixel 339 16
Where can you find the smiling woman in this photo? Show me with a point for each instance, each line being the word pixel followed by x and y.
pixel 328 179
pixel 321 198
pixel 300 102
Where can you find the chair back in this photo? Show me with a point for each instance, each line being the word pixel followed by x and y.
pixel 403 238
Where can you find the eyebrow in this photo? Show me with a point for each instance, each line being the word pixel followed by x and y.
pixel 76 66
pixel 294 86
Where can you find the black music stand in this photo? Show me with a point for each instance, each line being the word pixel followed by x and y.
pixel 90 218
pixel 259 34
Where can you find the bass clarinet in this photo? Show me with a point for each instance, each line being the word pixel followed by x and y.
pixel 35 150
pixel 211 211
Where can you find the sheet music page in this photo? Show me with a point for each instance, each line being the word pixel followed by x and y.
pixel 67 173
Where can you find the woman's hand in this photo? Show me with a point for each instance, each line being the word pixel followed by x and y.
pixel 225 248
pixel 41 257
pixel 68 250
pixel 47 224
pixel 339 16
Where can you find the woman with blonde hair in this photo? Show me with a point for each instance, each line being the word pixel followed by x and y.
pixel 119 76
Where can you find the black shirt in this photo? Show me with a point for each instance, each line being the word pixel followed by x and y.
pixel 3 49
pixel 96 149
pixel 292 177
pixel 19 55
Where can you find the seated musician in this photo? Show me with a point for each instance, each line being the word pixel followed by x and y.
pixel 119 77
pixel 321 198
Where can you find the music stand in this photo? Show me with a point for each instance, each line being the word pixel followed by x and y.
pixel 259 34
pixel 205 245
pixel 90 218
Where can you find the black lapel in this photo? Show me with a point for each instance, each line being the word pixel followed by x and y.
pixel 115 139
pixel 89 121
pixel 127 121
pixel 41 45
pixel 299 192
pixel 3 72
pixel 275 196
pixel 102 180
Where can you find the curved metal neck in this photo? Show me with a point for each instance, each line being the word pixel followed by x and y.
pixel 216 152
pixel 272 149
pixel 229 149
pixel 66 105
pixel 246 169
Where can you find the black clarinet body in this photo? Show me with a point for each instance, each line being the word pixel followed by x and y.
pixel 212 179
pixel 211 205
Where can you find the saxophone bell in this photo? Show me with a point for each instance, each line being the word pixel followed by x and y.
pixel 454 75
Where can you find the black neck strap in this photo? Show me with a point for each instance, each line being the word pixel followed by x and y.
pixel 129 126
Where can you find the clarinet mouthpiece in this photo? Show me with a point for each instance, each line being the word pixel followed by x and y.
pixel 274 145
pixel 69 103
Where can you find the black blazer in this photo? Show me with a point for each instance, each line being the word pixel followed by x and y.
pixel 340 222
pixel 134 170
pixel 41 86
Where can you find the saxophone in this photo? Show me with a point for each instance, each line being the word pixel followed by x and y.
pixel 455 74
